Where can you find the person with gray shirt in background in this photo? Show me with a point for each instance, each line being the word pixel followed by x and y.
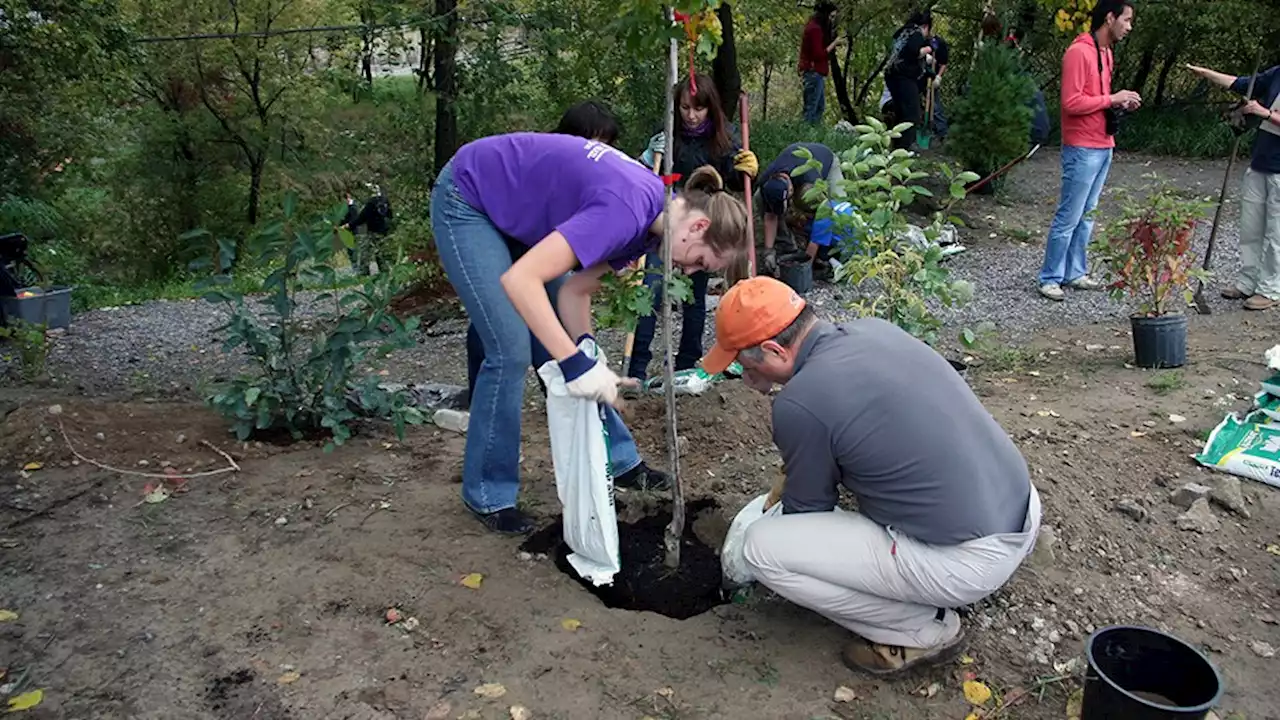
pixel 946 508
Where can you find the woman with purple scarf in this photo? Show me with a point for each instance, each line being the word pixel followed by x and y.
pixel 703 137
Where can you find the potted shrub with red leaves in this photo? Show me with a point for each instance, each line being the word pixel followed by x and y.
pixel 1148 260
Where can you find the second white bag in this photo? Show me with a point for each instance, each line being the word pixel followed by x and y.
pixel 580 453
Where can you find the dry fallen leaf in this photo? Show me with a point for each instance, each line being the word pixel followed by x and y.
pixel 1044 413
pixel 26 700
pixel 473 581
pixel 7 615
pixel 33 466
pixel 439 711
pixel 288 678
pixel 491 690
pixel 666 692
pixel 1177 419
pixel 932 690
pixel 410 624
pixel 570 624
pixel 1137 434
pixel 844 695
pixel 156 495
pixel 1075 705
pixel 966 660
pixel 520 712
pixel 973 716
pixel 1273 549
pixel 976 692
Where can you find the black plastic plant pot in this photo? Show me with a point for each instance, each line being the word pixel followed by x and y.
pixel 1137 673
pixel 1160 342
pixel 798 275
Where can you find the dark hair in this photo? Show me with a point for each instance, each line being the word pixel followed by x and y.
pixel 1105 8
pixel 823 9
pixel 920 19
pixel 592 120
pixel 706 97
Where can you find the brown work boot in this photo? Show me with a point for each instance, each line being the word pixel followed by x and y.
pixel 864 655
pixel 1233 293
pixel 1259 302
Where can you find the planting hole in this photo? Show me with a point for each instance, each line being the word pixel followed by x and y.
pixel 645 583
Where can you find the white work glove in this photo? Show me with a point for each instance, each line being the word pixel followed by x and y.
pixel 597 383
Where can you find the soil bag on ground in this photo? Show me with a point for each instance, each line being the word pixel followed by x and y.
pixel 580 454
pixel 1248 447
pixel 733 561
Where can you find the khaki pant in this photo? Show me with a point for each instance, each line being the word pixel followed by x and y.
pixel 847 569
pixel 1260 235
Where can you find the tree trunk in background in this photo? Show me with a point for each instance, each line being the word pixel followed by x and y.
pixel 257 164
pixel 724 68
pixel 424 60
pixel 446 82
pixel 840 84
pixel 1169 62
pixel 1144 70
pixel 764 89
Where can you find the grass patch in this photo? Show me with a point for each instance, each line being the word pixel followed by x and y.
pixel 1163 383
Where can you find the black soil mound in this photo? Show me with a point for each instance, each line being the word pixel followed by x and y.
pixel 645 583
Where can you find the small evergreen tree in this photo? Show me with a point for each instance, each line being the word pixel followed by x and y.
pixel 991 123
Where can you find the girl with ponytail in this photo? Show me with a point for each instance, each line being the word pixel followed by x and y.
pixel 583 209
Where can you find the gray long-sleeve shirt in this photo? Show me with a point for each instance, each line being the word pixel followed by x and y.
pixel 874 409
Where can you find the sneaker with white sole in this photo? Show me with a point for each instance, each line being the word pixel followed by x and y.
pixel 1084 282
pixel 1053 291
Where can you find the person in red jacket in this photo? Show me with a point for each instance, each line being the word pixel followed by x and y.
pixel 816 43
pixel 1089 111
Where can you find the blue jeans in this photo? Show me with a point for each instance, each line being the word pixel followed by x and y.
pixel 692 323
pixel 474 255
pixel 815 97
pixel 1084 170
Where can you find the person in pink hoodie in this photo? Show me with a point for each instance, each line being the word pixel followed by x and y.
pixel 1089 112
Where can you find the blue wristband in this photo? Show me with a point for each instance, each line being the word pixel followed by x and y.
pixel 575 366
pixel 584 336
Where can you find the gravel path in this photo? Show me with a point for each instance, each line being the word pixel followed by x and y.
pixel 167 348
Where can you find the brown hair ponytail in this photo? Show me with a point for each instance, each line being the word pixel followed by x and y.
pixel 704 192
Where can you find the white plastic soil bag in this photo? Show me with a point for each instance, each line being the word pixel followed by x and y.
pixel 580 453
pixel 733 560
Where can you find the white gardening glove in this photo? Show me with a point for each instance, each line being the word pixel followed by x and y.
pixel 598 383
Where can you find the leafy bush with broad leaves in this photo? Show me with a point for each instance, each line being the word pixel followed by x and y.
pixel 991 122
pixel 306 353
pixel 895 279
pixel 1146 254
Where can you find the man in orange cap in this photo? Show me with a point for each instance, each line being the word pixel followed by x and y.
pixel 946 509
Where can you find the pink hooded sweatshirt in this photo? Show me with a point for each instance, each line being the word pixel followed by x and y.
pixel 1085 94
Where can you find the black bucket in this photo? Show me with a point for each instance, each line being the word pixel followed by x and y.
pixel 1137 673
pixel 1160 342
pixel 798 275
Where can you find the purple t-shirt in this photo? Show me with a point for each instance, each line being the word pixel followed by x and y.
pixel 530 184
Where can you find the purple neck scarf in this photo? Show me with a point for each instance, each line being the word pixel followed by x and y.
pixel 700 130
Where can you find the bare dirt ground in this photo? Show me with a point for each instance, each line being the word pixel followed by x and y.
pixel 262 593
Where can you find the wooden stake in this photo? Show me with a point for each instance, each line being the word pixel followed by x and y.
pixel 744 111
pixel 675 530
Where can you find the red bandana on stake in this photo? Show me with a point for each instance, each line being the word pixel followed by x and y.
pixel 672 179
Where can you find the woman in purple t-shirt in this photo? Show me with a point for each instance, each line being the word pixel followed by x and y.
pixel 580 206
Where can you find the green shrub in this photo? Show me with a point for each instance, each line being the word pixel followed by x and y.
pixel 305 364
pixel 991 122
pixel 1197 132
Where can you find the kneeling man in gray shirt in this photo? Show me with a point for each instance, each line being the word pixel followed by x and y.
pixel 946 509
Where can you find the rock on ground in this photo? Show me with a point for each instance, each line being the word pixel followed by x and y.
pixel 1199 518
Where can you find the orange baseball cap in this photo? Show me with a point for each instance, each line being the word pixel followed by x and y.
pixel 751 312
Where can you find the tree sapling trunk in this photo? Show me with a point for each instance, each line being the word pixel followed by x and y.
pixel 676 529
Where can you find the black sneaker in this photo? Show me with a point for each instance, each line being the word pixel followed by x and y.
pixel 507 521
pixel 643 477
